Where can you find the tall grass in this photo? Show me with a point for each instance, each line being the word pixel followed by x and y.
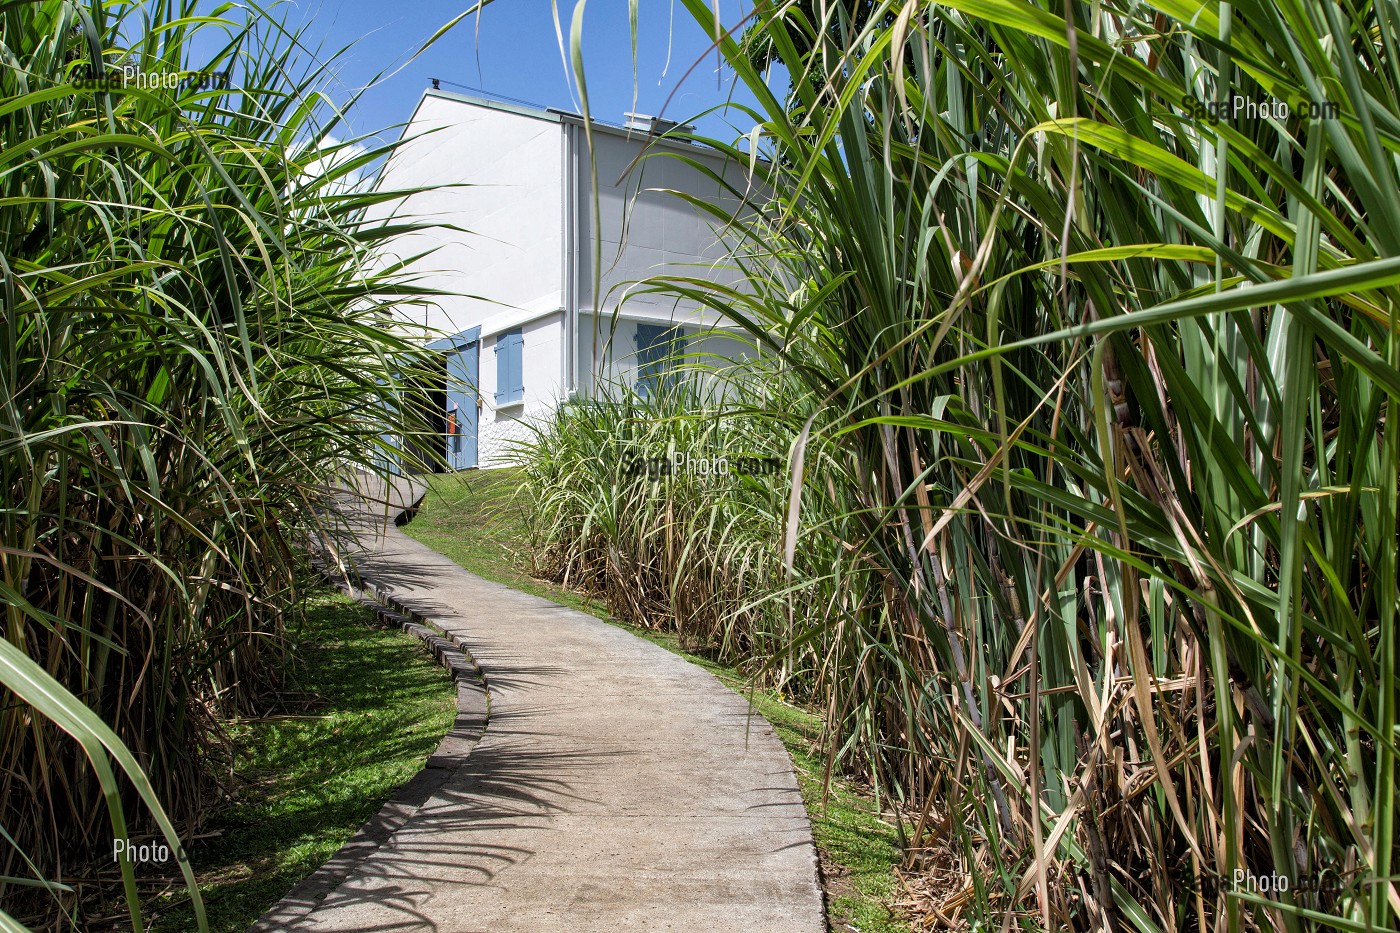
pixel 664 503
pixel 195 344
pixel 1103 394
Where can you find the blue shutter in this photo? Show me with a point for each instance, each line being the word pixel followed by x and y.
pixel 656 344
pixel 650 349
pixel 517 388
pixel 510 368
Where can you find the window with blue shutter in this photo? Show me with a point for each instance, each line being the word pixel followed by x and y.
pixel 656 345
pixel 510 370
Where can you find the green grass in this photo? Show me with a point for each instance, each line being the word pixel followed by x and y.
pixel 474 519
pixel 366 708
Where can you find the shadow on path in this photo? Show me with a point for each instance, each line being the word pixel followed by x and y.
pixel 616 787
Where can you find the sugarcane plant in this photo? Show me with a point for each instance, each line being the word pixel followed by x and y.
pixel 197 343
pixel 662 496
pixel 1096 309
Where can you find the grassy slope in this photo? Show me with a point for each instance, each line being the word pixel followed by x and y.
pixel 367 708
pixel 471 518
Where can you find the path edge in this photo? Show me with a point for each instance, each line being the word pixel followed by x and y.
pixel 472 718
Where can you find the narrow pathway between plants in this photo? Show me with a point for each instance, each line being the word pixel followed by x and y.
pixel 616 788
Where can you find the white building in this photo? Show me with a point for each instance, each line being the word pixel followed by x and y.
pixel 513 252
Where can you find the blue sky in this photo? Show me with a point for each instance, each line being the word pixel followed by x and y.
pixel 513 51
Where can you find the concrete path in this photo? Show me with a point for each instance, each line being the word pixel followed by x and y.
pixel 616 787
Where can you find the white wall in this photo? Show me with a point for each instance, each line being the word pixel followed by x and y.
pixel 508 262
pixel 541 358
pixel 504 267
pixel 643 229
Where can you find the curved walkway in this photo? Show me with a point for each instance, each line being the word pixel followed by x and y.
pixel 616 787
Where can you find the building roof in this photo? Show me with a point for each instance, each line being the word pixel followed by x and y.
pixel 555 115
